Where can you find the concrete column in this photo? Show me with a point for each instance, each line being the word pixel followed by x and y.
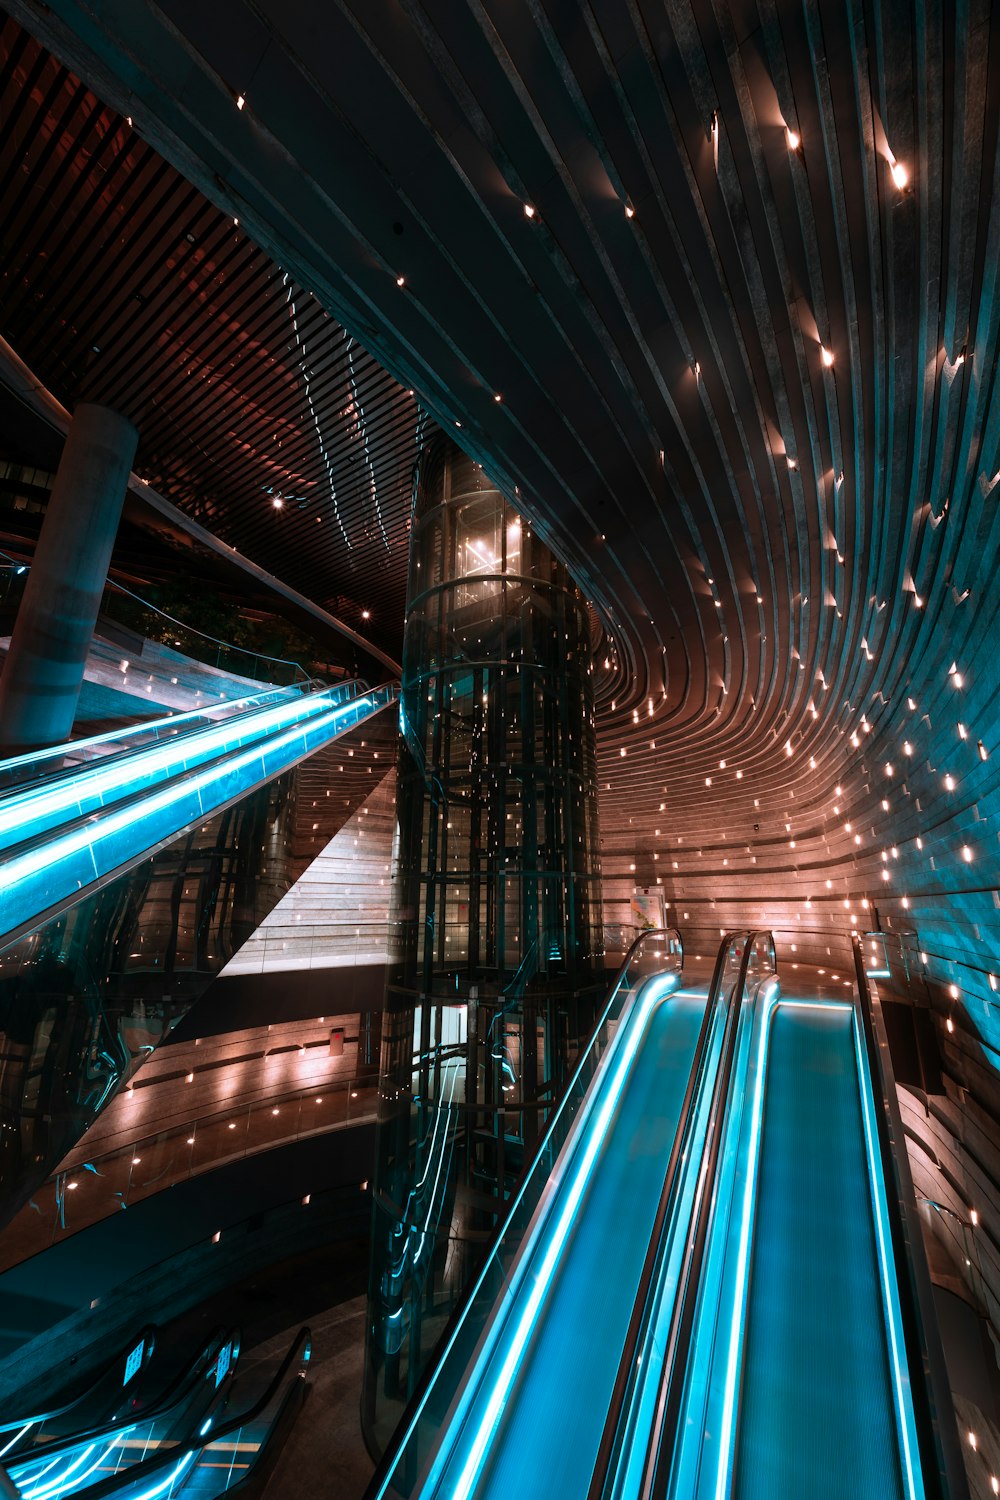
pixel 41 678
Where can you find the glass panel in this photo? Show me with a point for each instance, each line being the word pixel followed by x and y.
pixel 656 952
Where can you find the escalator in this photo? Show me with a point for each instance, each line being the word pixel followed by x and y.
pixel 77 815
pixel 205 1435
pixel 120 1387
pixel 719 1292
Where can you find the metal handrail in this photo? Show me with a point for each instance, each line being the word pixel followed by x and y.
pixel 638 1322
pixel 172 721
pixel 179 1451
pixel 22 568
pixel 174 1392
pixel 940 1449
pixel 411 1414
pixel 656 1473
pixel 149 1331
pixel 281 661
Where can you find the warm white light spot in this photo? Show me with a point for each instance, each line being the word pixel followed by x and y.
pixel 900 175
pixel 529 211
pixel 967 854
pixel 793 139
pixel 826 355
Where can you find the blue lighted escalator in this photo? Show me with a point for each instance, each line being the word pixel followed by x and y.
pixel 203 1439
pixel 763 1337
pixel 71 827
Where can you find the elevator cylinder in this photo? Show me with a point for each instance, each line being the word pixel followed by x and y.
pixel 497 963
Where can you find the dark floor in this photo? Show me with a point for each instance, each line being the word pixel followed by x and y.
pixel 324 1454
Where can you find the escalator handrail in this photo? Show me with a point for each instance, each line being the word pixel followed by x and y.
pixel 186 781
pixel 411 1413
pixel 657 1465
pixel 149 1331
pixel 254 704
pixel 933 1408
pixel 175 1392
pixel 177 1452
pixel 679 1151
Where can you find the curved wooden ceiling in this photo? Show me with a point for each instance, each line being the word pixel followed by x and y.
pixel 712 291
pixel 259 415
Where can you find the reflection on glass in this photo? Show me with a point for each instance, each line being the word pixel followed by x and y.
pixel 87 996
pixel 499 962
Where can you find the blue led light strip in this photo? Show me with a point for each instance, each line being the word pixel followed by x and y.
pixel 38 807
pixel 577 1181
pixel 904 1411
pixel 905 1419
pixel 142 727
pixel 58 866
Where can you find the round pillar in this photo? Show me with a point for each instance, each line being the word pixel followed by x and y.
pixel 499 957
pixel 43 673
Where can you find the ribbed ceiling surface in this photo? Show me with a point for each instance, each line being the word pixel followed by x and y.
pixel 711 290
pixel 122 284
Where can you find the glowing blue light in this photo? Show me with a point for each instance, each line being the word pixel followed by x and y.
pixel 26 811
pixel 580 1176
pixel 905 1420
pixel 58 866
pixel 771 1000
pixel 147 726
pixel 553 1185
pixel 165 1484
pixel 61 1483
pixel 18 1435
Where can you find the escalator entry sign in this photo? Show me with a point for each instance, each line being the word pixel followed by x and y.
pixel 133 1361
pixel 223 1362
